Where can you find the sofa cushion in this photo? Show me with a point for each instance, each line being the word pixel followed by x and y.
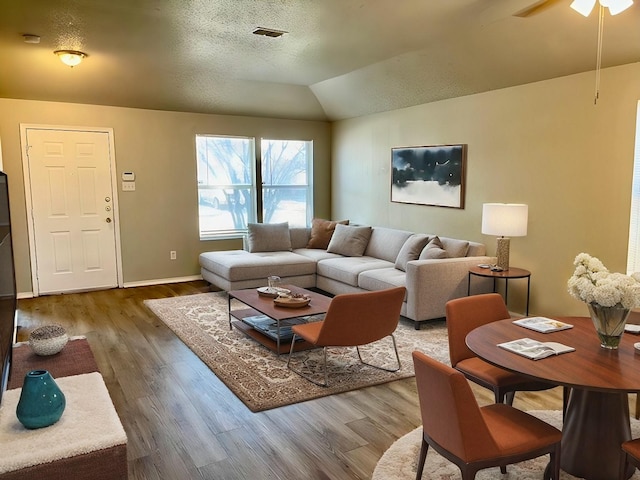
pixel 349 241
pixel 236 265
pixel 322 231
pixel 382 278
pixel 385 243
pixel 454 247
pixel 434 249
pixel 315 254
pixel 346 270
pixel 476 249
pixel 269 237
pixel 299 236
pixel 411 250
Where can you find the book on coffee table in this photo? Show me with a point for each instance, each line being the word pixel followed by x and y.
pixel 534 349
pixel 269 326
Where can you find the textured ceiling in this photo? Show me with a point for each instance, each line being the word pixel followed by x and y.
pixel 339 59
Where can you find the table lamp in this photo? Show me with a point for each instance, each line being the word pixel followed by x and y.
pixel 506 220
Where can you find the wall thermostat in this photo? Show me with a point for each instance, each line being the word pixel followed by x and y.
pixel 128 176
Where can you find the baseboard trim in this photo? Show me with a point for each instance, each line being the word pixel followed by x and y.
pixel 160 281
pixel 143 283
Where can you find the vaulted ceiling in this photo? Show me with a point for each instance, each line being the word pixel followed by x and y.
pixel 338 59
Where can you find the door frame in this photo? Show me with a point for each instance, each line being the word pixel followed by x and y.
pixel 29 207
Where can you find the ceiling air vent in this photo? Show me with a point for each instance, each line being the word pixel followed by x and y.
pixel 269 32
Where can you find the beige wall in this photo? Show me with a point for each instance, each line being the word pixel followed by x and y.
pixel 543 144
pixel 162 214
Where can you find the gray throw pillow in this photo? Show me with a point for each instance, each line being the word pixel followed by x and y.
pixel 434 249
pixel 349 241
pixel 411 250
pixel 454 247
pixel 269 237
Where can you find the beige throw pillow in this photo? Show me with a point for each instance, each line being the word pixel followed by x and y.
pixel 269 237
pixel 434 249
pixel 411 250
pixel 455 248
pixel 322 231
pixel 349 241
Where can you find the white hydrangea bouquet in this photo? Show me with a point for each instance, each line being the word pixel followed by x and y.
pixel 593 283
pixel 609 297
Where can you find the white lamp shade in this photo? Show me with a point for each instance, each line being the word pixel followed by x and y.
pixel 505 219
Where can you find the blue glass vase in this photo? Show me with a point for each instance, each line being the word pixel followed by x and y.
pixel 41 401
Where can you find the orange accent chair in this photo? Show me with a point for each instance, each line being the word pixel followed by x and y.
pixel 353 320
pixel 474 437
pixel 630 456
pixel 467 313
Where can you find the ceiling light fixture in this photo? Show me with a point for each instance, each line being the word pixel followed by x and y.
pixel 584 7
pixel 70 57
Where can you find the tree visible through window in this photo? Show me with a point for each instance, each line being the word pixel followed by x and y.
pixel 228 197
pixel 286 183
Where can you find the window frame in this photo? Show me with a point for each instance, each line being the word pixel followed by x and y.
pixel 233 233
pixel 255 210
pixel 308 186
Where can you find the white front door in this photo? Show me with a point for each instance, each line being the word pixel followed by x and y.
pixel 70 191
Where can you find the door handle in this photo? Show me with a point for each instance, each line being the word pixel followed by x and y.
pixel 108 220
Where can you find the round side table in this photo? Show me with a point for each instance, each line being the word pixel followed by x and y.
pixel 512 273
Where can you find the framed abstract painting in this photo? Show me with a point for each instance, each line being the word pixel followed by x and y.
pixel 431 175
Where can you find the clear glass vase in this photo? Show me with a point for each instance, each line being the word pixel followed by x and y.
pixel 609 323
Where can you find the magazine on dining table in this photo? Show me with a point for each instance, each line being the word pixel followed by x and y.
pixel 535 350
pixel 542 324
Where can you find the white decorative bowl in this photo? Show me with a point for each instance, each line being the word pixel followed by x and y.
pixel 48 340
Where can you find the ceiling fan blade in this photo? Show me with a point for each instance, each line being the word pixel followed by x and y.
pixel 535 8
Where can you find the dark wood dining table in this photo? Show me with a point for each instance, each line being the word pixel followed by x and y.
pixel 597 416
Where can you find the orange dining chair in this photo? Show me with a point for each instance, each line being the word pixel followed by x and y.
pixel 474 437
pixel 467 313
pixel 630 456
pixel 353 320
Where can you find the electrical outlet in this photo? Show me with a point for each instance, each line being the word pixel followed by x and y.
pixel 128 186
pixel 173 255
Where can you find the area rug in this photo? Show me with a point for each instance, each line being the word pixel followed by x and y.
pixel 399 462
pixel 262 380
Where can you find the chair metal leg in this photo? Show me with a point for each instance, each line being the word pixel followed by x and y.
pixel 325 370
pixel 423 456
pixel 395 349
pixel 305 376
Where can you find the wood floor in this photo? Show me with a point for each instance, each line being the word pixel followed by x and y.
pixel 183 423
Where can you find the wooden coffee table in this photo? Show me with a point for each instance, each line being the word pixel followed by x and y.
pixel 258 304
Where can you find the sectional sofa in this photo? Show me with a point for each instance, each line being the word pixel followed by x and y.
pixel 339 258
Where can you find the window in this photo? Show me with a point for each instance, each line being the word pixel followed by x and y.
pixel 226 185
pixel 228 197
pixel 286 183
pixel 633 255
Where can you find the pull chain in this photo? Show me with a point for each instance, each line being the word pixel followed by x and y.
pixel 599 54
